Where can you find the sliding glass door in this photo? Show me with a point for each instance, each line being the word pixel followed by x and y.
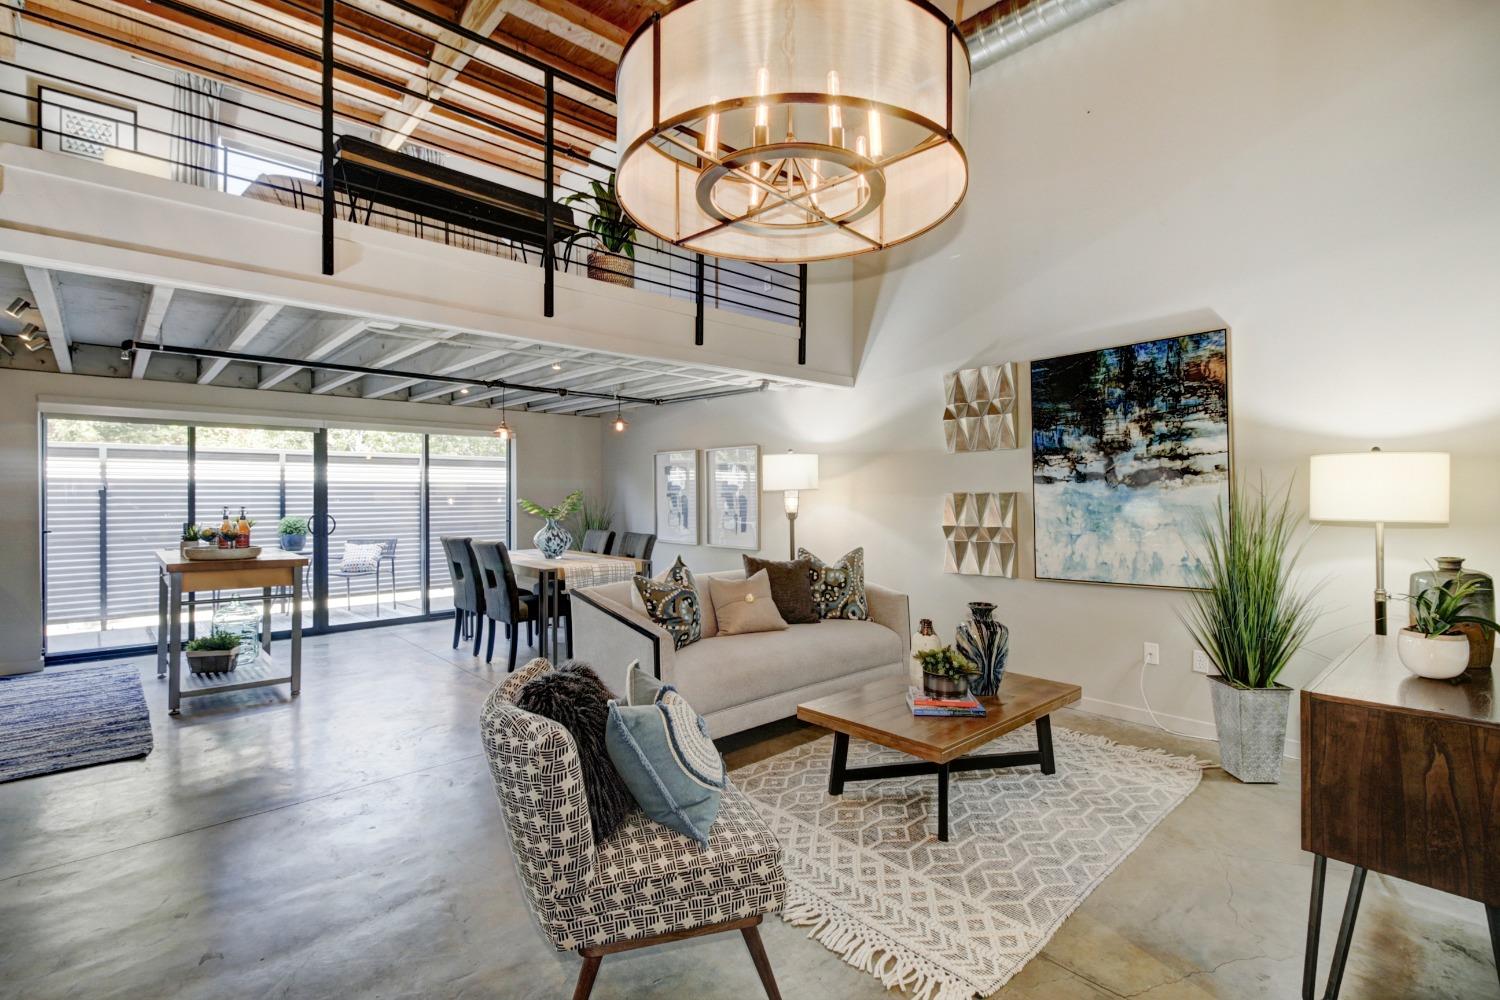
pixel 116 491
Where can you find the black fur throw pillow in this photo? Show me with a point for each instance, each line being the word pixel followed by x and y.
pixel 574 697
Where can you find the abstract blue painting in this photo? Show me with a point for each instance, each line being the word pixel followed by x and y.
pixel 1129 447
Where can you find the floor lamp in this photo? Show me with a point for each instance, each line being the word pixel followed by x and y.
pixel 1380 487
pixel 790 473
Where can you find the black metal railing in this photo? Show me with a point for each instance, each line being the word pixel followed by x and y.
pixel 391 117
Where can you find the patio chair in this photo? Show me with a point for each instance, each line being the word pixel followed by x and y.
pixel 387 555
pixel 643 886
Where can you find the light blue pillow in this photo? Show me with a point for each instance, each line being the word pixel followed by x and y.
pixel 661 748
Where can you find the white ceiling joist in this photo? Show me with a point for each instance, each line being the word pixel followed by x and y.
pixel 334 338
pixel 455 368
pixel 149 332
pixel 385 361
pixel 44 296
pixel 239 328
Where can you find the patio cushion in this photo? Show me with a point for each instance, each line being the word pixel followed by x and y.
pixel 360 558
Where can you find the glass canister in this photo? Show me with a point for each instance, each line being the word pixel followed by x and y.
pixel 1481 603
pixel 243 620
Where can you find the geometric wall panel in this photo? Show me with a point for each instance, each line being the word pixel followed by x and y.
pixel 979 532
pixel 980 408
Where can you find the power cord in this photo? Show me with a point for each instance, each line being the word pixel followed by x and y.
pixel 1159 725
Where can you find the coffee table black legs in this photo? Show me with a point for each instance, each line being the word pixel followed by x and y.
pixel 840 772
pixel 836 768
pixel 1346 931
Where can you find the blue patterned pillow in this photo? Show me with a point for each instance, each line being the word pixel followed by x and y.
pixel 661 748
pixel 673 604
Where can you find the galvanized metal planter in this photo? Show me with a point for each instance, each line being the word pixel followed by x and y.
pixel 1252 729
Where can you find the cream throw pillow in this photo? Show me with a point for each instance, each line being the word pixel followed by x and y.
pixel 743 606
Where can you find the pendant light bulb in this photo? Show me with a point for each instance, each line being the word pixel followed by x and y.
pixel 620 423
pixel 503 432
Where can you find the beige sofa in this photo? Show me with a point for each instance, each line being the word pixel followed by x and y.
pixel 740 681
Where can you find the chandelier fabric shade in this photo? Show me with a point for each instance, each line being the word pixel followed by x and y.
pixel 793 130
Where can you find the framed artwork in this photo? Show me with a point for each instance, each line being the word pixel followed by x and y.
pixel 80 126
pixel 732 492
pixel 1130 446
pixel 676 485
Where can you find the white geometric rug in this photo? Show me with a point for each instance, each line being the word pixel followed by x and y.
pixel 948 921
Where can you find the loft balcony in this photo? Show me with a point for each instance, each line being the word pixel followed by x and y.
pixel 426 181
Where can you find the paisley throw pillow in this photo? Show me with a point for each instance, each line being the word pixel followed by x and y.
pixel 673 604
pixel 838 589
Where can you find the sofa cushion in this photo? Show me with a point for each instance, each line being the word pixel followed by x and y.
pixel 732 670
pixel 791 587
pixel 838 589
pixel 708 624
pixel 673 604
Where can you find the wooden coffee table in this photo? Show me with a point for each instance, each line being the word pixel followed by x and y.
pixel 877 712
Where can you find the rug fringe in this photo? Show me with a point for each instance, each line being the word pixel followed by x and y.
pixel 1154 754
pixel 896 967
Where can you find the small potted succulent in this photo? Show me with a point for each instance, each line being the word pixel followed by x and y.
pixel 192 538
pixel 213 653
pixel 293 533
pixel 1432 645
pixel 945 672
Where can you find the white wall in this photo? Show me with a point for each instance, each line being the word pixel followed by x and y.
pixel 554 454
pixel 1319 177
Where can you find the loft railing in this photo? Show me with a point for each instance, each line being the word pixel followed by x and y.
pixel 488 145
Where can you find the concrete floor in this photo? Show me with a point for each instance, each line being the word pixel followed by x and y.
pixel 348 844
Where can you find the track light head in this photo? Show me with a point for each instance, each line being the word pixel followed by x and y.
pixel 17 307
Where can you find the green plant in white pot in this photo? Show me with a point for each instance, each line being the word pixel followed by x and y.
pixel 1250 618
pixel 1433 646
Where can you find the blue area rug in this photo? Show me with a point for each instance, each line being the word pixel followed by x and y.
pixel 63 719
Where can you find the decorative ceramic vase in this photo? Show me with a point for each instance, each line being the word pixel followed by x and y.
pixel 293 543
pixel 553 540
pixel 615 269
pixel 1251 724
pixel 941 686
pixel 985 643
pixel 1437 657
pixel 1480 603
pixel 924 638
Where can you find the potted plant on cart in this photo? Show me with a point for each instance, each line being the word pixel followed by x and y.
pixel 945 672
pixel 1433 645
pixel 553 539
pixel 1250 618
pixel 292 532
pixel 214 653
pixel 192 538
pixel 614 230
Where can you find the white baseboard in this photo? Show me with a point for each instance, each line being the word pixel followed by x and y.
pixel 1191 727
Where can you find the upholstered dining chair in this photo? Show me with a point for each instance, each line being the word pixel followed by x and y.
pixel 646 884
pixel 504 603
pixel 638 545
pixel 468 598
pixel 598 540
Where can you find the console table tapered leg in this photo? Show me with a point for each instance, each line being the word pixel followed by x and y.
pixel 836 766
pixel 1314 927
pixel 1346 934
pixel 1492 913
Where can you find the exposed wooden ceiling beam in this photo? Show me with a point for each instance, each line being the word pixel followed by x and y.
pixel 44 296
pixel 566 28
pixel 243 324
pixel 332 338
pixel 451 53
pixel 149 331
pixel 587 20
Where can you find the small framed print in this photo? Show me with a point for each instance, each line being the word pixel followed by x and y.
pixel 732 496
pixel 81 126
pixel 676 485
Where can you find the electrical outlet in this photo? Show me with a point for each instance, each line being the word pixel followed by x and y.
pixel 1153 654
pixel 1202 664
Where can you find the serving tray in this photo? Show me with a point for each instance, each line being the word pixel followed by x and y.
pixel 209 553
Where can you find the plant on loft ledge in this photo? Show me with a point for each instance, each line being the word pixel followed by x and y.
pixel 553 539
pixel 1250 619
pixel 292 531
pixel 614 230
pixel 1433 645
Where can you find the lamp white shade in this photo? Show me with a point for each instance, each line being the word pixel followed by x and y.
pixel 1394 487
pixel 789 471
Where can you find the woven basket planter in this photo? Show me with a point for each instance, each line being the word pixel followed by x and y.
pixel 612 268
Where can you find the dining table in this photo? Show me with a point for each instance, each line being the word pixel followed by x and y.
pixel 571 569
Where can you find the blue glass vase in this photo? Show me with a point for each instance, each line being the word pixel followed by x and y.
pixel 985 643
pixel 553 540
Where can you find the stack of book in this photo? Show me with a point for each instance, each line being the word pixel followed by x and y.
pixel 923 704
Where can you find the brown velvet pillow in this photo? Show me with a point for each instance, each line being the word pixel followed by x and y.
pixel 791 588
pixel 745 606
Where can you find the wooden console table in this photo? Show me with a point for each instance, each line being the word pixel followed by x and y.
pixel 179 576
pixel 1401 776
